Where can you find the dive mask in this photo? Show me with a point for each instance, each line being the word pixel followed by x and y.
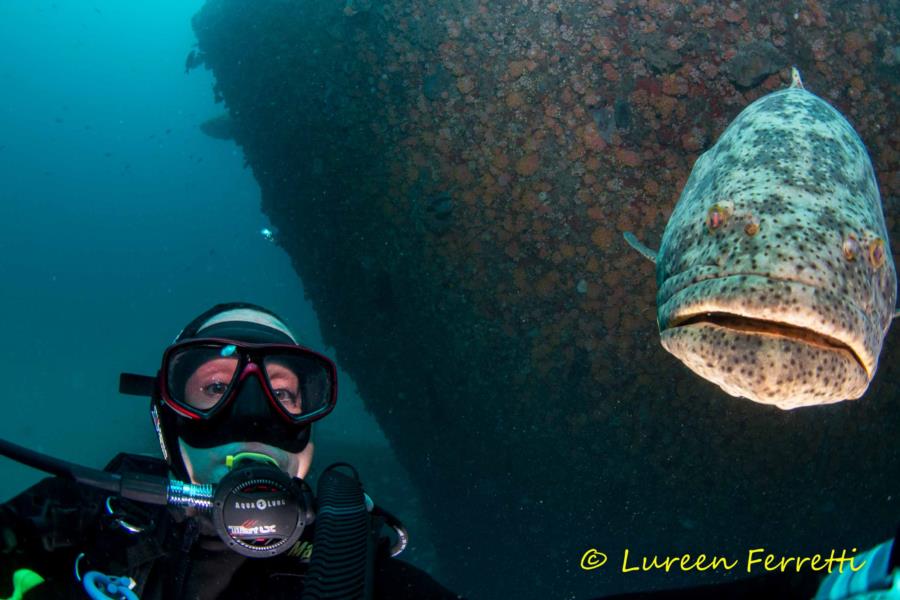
pixel 200 378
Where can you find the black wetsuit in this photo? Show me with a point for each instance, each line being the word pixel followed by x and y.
pixel 49 525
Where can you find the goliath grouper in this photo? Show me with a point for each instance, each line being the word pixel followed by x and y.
pixel 775 277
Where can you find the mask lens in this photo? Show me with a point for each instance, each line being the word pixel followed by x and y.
pixel 200 377
pixel 301 383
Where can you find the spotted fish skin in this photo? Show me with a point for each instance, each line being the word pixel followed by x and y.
pixel 775 277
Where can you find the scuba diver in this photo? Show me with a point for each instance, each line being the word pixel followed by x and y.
pixel 225 513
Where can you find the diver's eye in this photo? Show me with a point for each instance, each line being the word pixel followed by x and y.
pixel 288 399
pixel 214 389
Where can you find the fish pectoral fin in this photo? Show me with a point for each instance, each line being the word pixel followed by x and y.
pixel 637 245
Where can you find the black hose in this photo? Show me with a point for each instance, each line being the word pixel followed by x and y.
pixel 342 561
pixel 61 468
pixel 134 486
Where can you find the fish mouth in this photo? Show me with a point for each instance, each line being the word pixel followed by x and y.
pixel 757 326
pixel 769 307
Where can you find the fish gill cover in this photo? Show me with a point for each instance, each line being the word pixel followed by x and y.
pixel 452 179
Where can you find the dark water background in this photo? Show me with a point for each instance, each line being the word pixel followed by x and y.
pixel 120 221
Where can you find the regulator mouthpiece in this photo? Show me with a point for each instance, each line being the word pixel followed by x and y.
pixel 232 461
pixel 258 509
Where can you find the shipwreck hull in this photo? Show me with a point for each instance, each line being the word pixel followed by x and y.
pixel 451 181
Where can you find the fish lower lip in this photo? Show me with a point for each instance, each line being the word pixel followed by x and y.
pixel 762 326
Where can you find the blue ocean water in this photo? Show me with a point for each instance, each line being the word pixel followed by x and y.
pixel 119 221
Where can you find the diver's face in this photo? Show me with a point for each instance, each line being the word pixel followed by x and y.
pixel 207 465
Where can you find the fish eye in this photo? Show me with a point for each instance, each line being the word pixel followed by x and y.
pixel 876 253
pixel 717 215
pixel 851 247
pixel 752 226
